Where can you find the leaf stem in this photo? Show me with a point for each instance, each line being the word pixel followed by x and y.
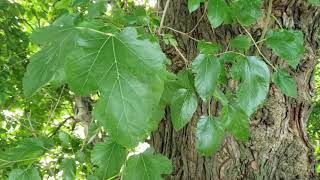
pixel 258 49
pixel 278 22
pixel 226 52
pixel 209 107
pixel 180 32
pixel 180 53
pixel 195 27
pixel 163 15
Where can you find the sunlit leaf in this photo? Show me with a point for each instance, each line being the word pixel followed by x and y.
pixel 146 166
pixel 24 174
pixel 68 167
pixel 109 156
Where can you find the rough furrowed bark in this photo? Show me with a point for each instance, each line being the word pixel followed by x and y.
pixel 278 147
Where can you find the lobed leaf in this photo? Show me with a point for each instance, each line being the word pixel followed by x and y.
pixel 146 166
pixel 26 174
pixel 110 157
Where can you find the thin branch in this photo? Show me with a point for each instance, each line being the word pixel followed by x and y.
pixel 278 22
pixel 226 52
pixel 180 32
pixel 56 105
pixel 163 15
pixel 195 27
pixel 60 125
pixel 184 59
pixel 30 124
pixel 258 49
pixel 24 20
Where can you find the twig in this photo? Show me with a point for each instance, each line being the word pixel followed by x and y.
pixel 195 27
pixel 163 15
pixel 60 125
pixel 226 52
pixel 56 105
pixel 278 22
pixel 258 49
pixel 180 32
pixel 184 59
pixel 30 124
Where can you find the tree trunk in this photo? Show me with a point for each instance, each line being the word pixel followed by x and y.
pixel 278 147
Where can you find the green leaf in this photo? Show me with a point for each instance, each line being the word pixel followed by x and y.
pixel 68 166
pixel 109 156
pixel 247 11
pixel 130 75
pixel 194 4
pixel 314 2
pixel 217 12
pixel 236 122
pixel 285 82
pixel 146 166
pixel 183 100
pixel 221 97
pixel 27 174
pixel 183 106
pixel 80 156
pixel 65 139
pixel 97 8
pixel 28 149
pixel 208 48
pixel 241 42
pixel 254 87
pixel 170 40
pixel 91 177
pixel 288 44
pixel 210 134
pixel 207 70
pixel 47 63
pixel 78 2
pixel 231 57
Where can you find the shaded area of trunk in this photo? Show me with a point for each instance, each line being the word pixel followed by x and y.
pixel 278 147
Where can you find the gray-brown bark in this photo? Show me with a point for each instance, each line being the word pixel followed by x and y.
pixel 278 147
